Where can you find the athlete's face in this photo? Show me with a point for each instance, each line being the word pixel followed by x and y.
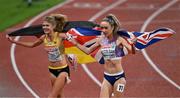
pixel 106 28
pixel 47 27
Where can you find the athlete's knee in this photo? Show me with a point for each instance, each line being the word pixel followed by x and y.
pixel 53 95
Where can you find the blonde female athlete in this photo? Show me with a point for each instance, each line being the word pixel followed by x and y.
pixel 53 45
pixel 111 48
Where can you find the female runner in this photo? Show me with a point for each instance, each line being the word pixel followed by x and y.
pixel 111 46
pixel 53 45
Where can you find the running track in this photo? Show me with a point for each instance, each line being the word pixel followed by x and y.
pixel 143 80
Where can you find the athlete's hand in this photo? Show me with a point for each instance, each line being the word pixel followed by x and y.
pixel 72 40
pixel 134 40
pixel 73 61
pixel 9 38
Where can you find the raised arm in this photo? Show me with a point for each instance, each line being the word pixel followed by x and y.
pixel 129 46
pixel 63 35
pixel 26 44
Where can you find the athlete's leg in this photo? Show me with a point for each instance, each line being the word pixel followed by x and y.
pixel 118 88
pixel 106 89
pixel 58 85
pixel 53 78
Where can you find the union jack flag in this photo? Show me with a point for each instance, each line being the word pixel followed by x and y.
pixel 86 37
pixel 146 39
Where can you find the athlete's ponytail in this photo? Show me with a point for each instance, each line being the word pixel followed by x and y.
pixel 58 20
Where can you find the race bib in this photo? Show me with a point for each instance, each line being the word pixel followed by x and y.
pixel 120 88
pixel 54 54
pixel 108 51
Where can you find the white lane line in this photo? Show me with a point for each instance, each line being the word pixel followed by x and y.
pixel 146 23
pixel 87 5
pixel 152 22
pixel 106 9
pixel 13 61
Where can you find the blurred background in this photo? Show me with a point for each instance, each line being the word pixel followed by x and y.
pixel 143 80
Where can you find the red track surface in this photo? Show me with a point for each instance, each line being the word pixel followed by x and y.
pixel 142 79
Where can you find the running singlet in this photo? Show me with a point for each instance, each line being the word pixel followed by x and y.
pixel 110 50
pixel 53 48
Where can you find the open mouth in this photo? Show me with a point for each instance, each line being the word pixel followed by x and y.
pixel 46 30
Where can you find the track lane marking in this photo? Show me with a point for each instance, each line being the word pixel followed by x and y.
pixel 143 51
pixel 13 46
pixel 146 23
pixel 93 18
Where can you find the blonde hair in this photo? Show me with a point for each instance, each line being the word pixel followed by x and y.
pixel 58 20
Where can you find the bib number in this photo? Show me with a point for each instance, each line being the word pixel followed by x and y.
pixel 120 88
pixel 54 54
pixel 108 52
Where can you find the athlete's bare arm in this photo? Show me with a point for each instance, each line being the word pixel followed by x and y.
pixel 84 48
pixel 26 44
